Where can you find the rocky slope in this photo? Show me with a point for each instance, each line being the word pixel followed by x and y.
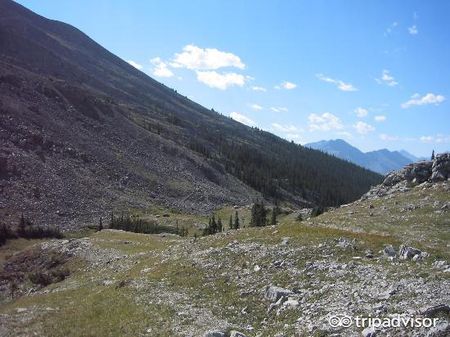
pixel 383 256
pixel 82 132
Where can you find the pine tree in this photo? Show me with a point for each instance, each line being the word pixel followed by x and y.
pixel 111 222
pixel 236 221
pixel 230 224
pixel 432 155
pixel 259 215
pixel 273 219
pixel 21 230
pixel 100 225
pixel 213 229
pixel 219 225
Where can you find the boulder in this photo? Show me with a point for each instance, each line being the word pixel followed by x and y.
pixel 285 241
pixel 369 332
pixel 215 333
pixel 389 251
pixel 441 167
pixel 291 303
pixel 393 178
pixel 442 329
pixel 273 293
pixel 442 265
pixel 406 252
pixel 418 172
pixel 436 310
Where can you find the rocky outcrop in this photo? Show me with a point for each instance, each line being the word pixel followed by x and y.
pixel 431 171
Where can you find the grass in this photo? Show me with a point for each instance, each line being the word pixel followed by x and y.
pixel 16 245
pixel 162 277
pixel 131 243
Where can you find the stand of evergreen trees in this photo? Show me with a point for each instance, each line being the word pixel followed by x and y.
pixel 213 226
pixel 6 233
pixel 216 226
pixel 260 213
pixel 137 225
pixel 279 165
pixel 27 230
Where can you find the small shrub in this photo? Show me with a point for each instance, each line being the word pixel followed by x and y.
pixel 40 278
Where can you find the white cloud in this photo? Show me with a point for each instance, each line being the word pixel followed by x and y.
pixel 427 139
pixel 339 84
pixel 135 64
pixel 242 119
pixel 160 68
pixel 363 128
pixel 387 78
pixel 256 107
pixel 361 112
pixel 379 118
pixel 386 137
pixel 287 85
pixel 438 139
pixel 256 88
pixel 324 122
pixel 279 109
pixel 426 99
pixel 196 58
pixel 413 30
pixel 220 81
pixel 284 128
pixel 391 28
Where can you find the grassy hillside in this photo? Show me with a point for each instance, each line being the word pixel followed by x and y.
pixel 126 284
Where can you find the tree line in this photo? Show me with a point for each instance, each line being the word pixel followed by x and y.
pixel 27 230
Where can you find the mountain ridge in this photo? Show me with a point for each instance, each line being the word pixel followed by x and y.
pixel 381 161
pixel 84 133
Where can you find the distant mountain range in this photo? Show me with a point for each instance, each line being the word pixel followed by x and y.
pixel 381 161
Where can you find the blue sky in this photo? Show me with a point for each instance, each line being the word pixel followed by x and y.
pixel 375 73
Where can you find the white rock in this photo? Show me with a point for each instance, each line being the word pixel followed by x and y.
pixel 369 332
pixel 215 333
pixel 275 293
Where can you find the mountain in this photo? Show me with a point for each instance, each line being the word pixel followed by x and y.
pixel 411 157
pixel 381 161
pixel 83 133
pixel 341 149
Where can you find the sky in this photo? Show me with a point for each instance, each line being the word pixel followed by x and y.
pixel 374 73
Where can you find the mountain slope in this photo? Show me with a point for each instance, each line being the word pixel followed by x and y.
pixel 83 133
pixel 381 161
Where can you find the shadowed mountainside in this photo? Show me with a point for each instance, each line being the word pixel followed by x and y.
pixel 82 132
